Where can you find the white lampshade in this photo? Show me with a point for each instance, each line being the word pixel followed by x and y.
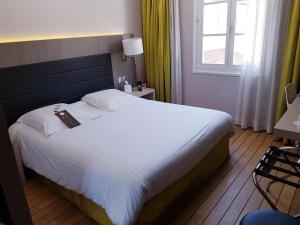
pixel 133 46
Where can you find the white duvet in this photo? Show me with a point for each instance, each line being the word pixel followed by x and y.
pixel 126 157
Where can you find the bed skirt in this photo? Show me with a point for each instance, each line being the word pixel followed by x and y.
pixel 155 208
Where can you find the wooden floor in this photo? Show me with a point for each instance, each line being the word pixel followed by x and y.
pixel 224 199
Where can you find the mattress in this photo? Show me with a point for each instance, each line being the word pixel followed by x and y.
pixel 155 209
pixel 126 157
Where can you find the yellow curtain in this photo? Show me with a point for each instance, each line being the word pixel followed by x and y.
pixel 156 32
pixel 291 63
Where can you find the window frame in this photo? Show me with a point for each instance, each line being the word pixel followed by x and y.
pixel 198 20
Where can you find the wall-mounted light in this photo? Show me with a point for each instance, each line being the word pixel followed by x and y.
pixel 132 47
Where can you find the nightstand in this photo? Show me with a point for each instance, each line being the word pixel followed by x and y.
pixel 147 93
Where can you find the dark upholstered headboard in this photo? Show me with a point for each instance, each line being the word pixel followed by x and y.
pixel 28 87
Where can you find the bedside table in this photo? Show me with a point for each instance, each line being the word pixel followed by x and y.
pixel 147 93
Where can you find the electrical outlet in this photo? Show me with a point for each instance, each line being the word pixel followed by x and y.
pixel 120 79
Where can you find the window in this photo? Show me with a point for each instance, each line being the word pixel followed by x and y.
pixel 219 32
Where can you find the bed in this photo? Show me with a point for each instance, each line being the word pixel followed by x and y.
pixel 125 167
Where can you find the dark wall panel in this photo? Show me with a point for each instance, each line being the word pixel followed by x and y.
pixel 27 87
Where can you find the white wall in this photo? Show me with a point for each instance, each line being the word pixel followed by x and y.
pixel 45 19
pixel 48 18
pixel 209 91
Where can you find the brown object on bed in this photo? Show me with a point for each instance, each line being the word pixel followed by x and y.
pixel 67 119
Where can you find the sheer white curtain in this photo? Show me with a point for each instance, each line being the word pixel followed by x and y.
pixel 261 72
pixel 175 45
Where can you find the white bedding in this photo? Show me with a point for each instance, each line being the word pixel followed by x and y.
pixel 125 157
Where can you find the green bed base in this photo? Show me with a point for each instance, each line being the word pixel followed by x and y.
pixel 157 206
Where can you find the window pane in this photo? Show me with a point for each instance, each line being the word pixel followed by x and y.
pixel 214 50
pixel 241 14
pixel 239 44
pixel 215 18
pixel 212 1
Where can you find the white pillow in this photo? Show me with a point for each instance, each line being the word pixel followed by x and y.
pixel 109 100
pixel 46 122
pixel 82 105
